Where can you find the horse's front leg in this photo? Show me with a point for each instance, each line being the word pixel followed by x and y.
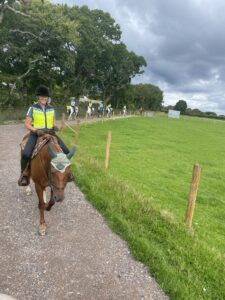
pixel 51 202
pixel 70 116
pixel 40 193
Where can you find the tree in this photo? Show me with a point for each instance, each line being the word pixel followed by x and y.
pixel 9 5
pixel 38 49
pixel 210 113
pixel 73 50
pixel 95 28
pixel 115 68
pixel 103 64
pixel 148 96
pixel 181 105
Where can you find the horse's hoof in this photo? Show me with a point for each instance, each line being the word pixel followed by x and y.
pixel 42 229
pixel 48 208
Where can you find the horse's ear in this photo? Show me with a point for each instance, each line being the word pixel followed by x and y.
pixel 71 153
pixel 52 153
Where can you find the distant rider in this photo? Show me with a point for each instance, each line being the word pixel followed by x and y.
pixel 73 104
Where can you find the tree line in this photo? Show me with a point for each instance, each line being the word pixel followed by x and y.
pixel 74 50
pixel 182 106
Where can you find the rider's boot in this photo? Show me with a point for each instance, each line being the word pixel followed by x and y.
pixel 24 179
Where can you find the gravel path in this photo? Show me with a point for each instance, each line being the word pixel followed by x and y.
pixel 79 258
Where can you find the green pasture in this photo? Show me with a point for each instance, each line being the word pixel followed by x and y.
pixel 143 196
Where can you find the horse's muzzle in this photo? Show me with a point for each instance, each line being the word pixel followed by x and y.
pixel 58 196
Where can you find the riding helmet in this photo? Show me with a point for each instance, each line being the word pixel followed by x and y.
pixel 42 90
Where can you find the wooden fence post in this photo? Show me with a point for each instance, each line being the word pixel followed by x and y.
pixel 77 132
pixel 107 153
pixel 193 194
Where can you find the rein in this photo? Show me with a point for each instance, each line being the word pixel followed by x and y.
pixel 46 174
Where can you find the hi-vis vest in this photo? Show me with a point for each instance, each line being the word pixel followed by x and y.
pixel 43 118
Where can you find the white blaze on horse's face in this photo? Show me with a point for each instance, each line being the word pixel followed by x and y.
pixel 58 182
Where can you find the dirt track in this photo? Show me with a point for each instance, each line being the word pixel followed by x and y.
pixel 79 258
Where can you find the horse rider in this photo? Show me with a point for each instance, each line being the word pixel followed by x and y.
pixel 72 108
pixel 73 104
pixel 40 118
pixel 89 110
pixel 100 109
pixel 109 110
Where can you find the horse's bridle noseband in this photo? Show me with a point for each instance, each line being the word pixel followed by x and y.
pixel 51 183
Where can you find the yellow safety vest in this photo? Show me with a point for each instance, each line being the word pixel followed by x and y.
pixel 43 118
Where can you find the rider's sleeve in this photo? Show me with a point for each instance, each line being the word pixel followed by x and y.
pixel 30 112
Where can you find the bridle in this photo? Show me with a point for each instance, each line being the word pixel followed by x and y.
pixel 51 182
pixel 49 175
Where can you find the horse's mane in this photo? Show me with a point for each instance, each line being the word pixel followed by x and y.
pixel 46 140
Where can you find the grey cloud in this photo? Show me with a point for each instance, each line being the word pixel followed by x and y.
pixel 182 42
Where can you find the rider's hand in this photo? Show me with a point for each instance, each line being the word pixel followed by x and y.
pixel 56 128
pixel 51 131
pixel 40 132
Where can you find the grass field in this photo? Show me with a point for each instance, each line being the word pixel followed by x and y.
pixel 143 196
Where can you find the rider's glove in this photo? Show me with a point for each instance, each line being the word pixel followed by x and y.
pixel 51 131
pixel 40 132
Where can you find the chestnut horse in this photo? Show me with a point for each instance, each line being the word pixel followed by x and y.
pixel 50 167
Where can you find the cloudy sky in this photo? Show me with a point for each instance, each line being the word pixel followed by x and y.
pixel 183 43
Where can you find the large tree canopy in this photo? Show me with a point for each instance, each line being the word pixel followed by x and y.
pixel 103 63
pixel 38 49
pixel 73 50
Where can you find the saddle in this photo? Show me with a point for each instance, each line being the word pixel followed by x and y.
pixel 41 141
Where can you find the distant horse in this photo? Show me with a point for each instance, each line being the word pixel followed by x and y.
pixel 72 111
pixel 109 111
pixel 50 167
pixel 90 111
pixel 124 112
pixel 100 112
pixel 76 111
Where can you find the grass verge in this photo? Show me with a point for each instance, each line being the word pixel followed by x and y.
pixel 184 263
pixel 183 267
